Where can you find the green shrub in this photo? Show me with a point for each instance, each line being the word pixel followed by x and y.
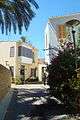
pixel 18 81
pixel 75 83
pixel 32 79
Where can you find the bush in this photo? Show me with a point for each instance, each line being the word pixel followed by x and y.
pixel 32 79
pixel 18 81
pixel 61 72
pixel 75 83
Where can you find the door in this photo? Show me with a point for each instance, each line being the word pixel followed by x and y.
pixel 22 73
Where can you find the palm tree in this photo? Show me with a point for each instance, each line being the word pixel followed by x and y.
pixel 14 14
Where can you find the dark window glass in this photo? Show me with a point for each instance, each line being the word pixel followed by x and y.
pixel 19 51
pixel 22 70
pixel 11 51
pixel 26 52
pixel 12 70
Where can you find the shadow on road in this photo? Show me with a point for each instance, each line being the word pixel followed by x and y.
pixel 32 105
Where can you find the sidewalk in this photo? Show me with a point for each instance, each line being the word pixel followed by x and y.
pixel 24 101
pixel 29 102
pixel 30 86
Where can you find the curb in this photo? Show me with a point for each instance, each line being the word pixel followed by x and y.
pixel 5 103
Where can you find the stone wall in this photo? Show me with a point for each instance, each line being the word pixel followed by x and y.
pixel 5 81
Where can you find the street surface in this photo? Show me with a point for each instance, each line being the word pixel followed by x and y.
pixel 29 102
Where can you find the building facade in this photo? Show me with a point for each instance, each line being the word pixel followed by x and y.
pixel 58 31
pixel 41 69
pixel 21 58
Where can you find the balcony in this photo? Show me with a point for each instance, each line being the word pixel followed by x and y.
pixel 25 60
pixel 25 55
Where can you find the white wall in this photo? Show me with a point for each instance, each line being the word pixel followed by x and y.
pixel 25 60
pixel 51 31
pixel 40 72
pixel 47 44
pixel 52 42
pixel 40 66
pixel 5 54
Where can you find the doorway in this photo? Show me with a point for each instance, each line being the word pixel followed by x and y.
pixel 22 74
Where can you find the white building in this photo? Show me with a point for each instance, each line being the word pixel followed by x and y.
pixel 21 58
pixel 58 31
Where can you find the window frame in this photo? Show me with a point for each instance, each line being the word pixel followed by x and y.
pixel 12 51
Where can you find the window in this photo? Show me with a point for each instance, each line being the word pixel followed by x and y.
pixel 26 52
pixel 33 72
pixel 62 31
pixel 12 51
pixel 19 51
pixel 6 63
pixel 33 57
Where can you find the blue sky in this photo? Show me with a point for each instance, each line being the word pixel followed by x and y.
pixel 47 8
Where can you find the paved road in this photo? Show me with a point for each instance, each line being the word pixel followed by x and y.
pixel 29 103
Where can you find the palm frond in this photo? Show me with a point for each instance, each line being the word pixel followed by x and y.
pixel 16 13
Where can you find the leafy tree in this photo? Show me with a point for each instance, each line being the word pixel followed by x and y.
pixel 78 37
pixel 23 38
pixel 17 13
pixel 61 71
